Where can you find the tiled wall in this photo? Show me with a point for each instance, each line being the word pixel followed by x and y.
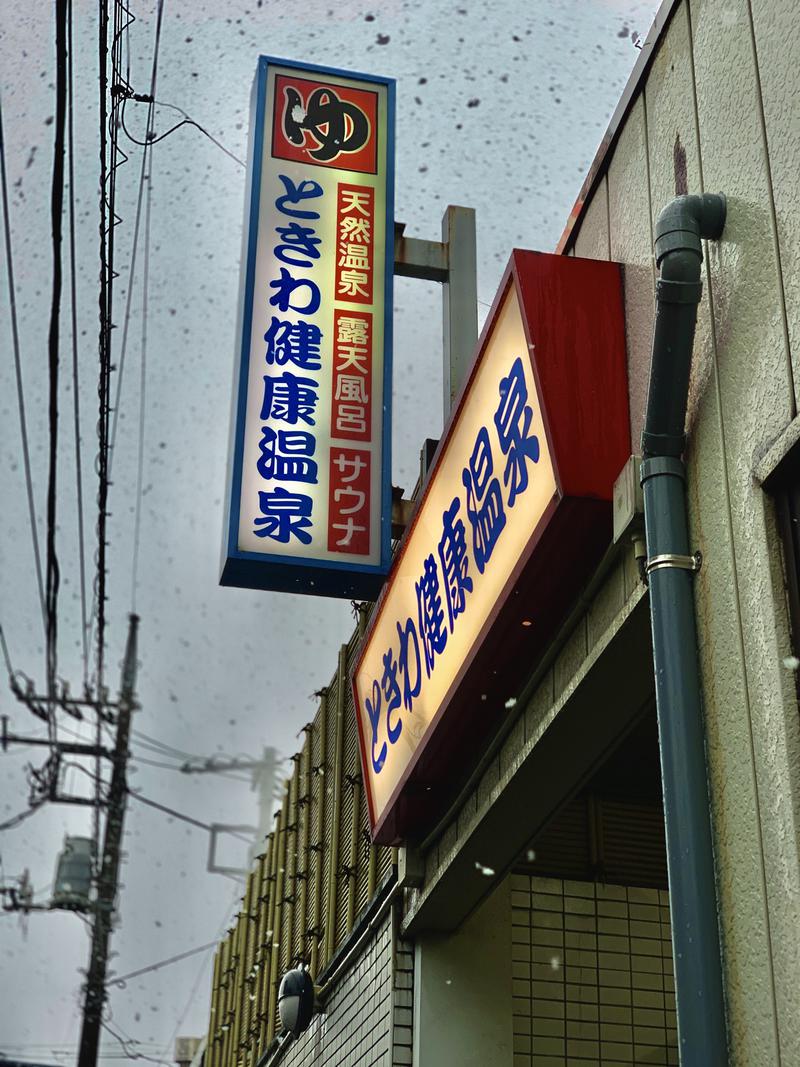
pixel 369 1015
pixel 592 974
pixel 403 1004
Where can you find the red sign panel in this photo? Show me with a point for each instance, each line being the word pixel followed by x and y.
pixel 351 414
pixel 355 217
pixel 325 125
pixel 349 503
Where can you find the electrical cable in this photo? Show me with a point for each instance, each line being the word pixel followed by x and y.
pixel 120 981
pixel 185 121
pixel 185 818
pixel 173 767
pixel 109 164
pixel 125 1047
pixel 23 815
pixel 137 522
pixel 6 656
pixel 167 749
pixel 107 429
pixel 104 341
pixel 135 243
pixel 236 898
pixel 75 377
pixel 26 457
pixel 76 416
pixel 53 577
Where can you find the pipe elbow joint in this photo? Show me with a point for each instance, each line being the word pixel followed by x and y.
pixel 686 220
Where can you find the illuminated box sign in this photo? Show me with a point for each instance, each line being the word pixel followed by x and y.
pixel 515 516
pixel 310 488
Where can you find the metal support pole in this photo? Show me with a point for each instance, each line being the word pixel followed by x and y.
pixel 227 998
pixel 303 854
pixel 333 865
pixel 212 1046
pixel 245 1012
pixel 460 299
pixel 260 957
pixel 319 844
pixel 352 871
pixel 273 930
pixel 109 871
pixel 292 864
pixel 453 261
pixel 279 846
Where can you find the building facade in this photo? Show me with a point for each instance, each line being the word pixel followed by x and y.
pixel 530 923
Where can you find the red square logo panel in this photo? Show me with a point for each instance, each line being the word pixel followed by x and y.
pixel 325 125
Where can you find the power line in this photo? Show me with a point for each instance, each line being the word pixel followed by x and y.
pixel 136 225
pixel 108 221
pixel 9 824
pixel 167 749
pixel 6 656
pixel 135 1055
pixel 26 457
pixel 75 377
pixel 107 427
pixel 185 121
pixel 190 1000
pixel 137 523
pixel 176 767
pixel 53 578
pixel 119 981
pixel 185 818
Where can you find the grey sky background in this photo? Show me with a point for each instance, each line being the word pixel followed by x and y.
pixel 499 107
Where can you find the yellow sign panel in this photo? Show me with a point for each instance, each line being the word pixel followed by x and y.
pixel 490 488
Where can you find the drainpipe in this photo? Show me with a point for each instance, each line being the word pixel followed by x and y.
pixel 690 859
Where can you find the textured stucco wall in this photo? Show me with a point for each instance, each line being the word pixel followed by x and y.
pixel 720 111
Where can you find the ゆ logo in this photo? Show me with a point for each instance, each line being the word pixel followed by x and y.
pixel 336 125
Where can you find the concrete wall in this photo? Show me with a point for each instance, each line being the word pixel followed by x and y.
pixel 720 111
pixel 462 1004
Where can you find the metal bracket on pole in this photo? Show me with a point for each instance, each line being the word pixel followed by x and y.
pixel 670 559
pixel 453 262
pixel 216 829
pixel 460 296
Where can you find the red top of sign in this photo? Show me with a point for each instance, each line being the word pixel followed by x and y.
pixel 573 318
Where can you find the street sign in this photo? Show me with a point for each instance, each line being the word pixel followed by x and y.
pixel 515 514
pixel 309 478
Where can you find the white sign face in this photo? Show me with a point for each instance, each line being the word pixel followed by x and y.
pixel 310 480
pixel 490 488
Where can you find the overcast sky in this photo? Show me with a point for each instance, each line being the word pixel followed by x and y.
pixel 499 107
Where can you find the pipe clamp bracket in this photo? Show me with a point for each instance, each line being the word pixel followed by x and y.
pixel 671 559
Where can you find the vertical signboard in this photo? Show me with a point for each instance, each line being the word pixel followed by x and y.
pixel 310 488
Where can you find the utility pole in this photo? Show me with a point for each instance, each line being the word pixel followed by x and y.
pixel 109 870
pixel 264 772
